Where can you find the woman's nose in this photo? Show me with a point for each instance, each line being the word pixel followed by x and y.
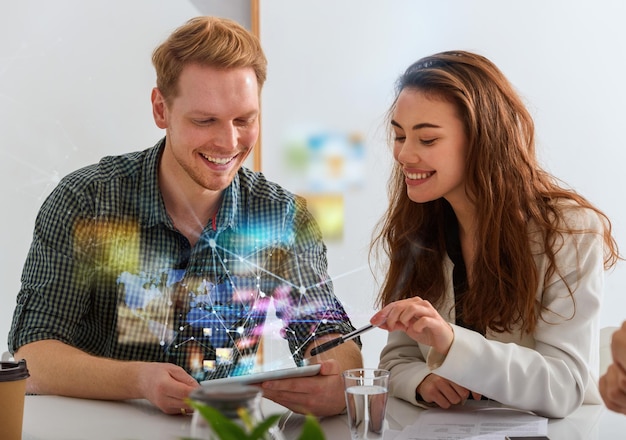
pixel 408 153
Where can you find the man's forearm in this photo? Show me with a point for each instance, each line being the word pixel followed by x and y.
pixel 347 354
pixel 57 368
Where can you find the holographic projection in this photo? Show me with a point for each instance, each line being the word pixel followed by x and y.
pixel 205 308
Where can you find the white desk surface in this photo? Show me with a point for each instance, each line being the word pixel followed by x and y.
pixel 64 418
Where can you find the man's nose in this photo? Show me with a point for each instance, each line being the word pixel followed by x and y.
pixel 226 136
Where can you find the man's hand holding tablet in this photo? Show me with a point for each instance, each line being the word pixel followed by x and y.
pixel 316 388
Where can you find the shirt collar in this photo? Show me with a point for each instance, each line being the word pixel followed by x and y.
pixel 152 210
pixel 227 214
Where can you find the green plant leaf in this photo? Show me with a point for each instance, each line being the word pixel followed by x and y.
pixel 225 428
pixel 311 429
pixel 262 428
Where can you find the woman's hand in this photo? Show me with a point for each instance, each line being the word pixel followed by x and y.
pixel 613 383
pixel 419 320
pixel 444 393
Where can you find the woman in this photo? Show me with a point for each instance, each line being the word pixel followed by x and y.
pixel 495 270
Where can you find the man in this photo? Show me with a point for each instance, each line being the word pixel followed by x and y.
pixel 151 271
pixel 613 383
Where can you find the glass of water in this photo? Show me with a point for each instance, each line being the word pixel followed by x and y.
pixel 366 399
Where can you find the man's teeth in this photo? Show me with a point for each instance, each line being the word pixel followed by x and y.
pixel 416 176
pixel 218 160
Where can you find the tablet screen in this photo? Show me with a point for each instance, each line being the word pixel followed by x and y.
pixel 285 373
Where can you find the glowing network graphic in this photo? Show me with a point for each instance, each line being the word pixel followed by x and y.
pixel 210 316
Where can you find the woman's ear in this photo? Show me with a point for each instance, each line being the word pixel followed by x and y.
pixel 159 108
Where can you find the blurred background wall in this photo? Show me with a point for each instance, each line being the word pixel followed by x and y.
pixel 75 81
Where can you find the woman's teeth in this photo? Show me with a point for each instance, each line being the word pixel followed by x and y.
pixel 418 176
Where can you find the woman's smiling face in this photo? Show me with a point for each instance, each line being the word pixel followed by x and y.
pixel 431 146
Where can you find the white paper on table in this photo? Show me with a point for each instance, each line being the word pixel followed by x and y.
pixel 467 422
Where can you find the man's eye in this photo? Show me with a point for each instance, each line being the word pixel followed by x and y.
pixel 202 121
pixel 245 122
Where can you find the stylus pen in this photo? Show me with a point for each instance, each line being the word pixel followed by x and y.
pixel 340 340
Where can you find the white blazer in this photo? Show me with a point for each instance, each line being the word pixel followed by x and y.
pixel 551 371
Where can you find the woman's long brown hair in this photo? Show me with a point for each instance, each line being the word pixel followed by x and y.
pixel 506 183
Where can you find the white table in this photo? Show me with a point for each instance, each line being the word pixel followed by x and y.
pixel 63 418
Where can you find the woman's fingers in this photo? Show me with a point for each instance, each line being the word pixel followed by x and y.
pixel 401 314
pixel 419 320
pixel 441 391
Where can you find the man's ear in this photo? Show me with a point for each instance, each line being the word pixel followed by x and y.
pixel 159 108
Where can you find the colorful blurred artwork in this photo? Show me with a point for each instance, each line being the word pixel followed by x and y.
pixel 328 165
pixel 328 210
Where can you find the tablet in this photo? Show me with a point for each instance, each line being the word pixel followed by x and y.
pixel 285 373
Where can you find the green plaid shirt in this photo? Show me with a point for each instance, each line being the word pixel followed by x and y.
pixel 108 273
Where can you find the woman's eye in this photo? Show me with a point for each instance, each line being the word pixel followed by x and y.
pixel 428 142
pixel 399 138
